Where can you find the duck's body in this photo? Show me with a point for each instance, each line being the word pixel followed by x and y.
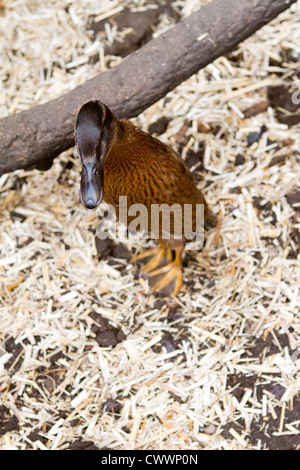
pixel 134 164
pixel 147 172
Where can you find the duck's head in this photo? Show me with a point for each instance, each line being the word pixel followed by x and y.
pixel 96 131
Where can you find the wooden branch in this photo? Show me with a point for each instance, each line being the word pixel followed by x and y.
pixel 33 138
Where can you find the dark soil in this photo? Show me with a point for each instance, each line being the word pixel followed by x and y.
pixel 159 127
pixel 140 26
pixel 8 422
pixel 83 445
pixel 107 248
pixel 264 429
pixel 293 199
pixel 285 98
pixel 105 334
pixel 15 362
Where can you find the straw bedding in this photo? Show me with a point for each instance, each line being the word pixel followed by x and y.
pixel 87 359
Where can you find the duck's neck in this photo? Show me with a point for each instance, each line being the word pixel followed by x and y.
pixel 125 133
pixel 119 163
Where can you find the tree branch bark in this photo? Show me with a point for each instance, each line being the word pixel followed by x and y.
pixel 33 138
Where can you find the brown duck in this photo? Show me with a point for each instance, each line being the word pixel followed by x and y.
pixel 118 159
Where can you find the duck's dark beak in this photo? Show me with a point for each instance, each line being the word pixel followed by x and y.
pixel 92 182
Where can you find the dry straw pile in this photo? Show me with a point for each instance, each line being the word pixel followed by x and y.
pixel 86 358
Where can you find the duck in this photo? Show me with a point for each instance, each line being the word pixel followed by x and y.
pixel 121 160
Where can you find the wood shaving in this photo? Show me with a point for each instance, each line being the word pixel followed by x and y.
pixel 224 355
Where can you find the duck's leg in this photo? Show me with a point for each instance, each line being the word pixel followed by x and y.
pixel 152 259
pixel 170 281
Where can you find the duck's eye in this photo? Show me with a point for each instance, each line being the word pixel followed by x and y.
pixel 95 171
pixel 84 170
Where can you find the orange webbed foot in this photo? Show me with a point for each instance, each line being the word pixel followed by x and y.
pixel 170 283
pixel 153 258
pixel 164 273
pixel 167 279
